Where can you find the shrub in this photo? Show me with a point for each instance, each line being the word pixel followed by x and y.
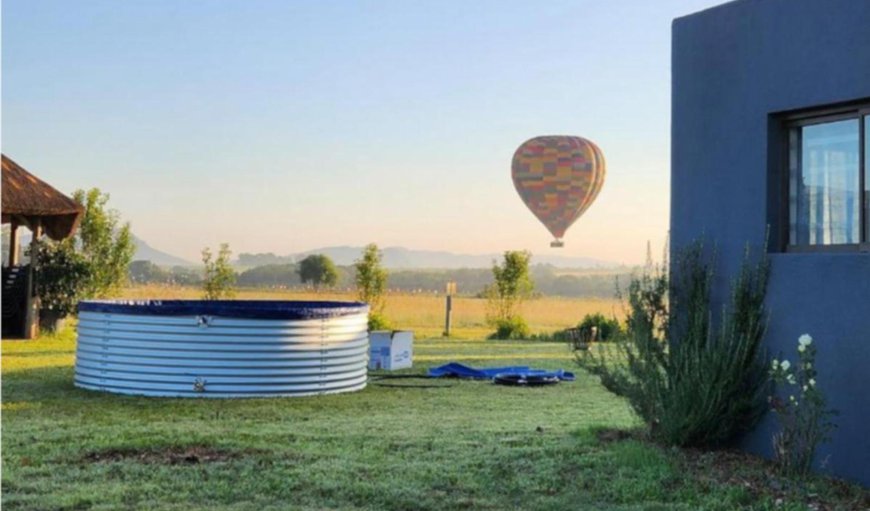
pixel 804 416
pixel 695 378
pixel 61 277
pixel 512 328
pixel 606 328
pixel 378 322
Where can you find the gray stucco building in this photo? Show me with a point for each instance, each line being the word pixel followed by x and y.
pixel 771 127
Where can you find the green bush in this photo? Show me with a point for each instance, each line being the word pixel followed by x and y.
pixel 512 328
pixel 695 377
pixel 378 322
pixel 61 276
pixel 607 328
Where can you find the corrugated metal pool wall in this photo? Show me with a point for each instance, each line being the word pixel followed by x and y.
pixel 215 355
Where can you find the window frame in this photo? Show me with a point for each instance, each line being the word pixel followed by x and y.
pixel 809 117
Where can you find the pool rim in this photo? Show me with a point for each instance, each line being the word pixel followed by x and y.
pixel 247 309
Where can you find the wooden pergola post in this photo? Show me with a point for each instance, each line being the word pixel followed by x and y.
pixel 13 243
pixel 31 321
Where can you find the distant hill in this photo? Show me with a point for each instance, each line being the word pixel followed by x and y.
pixel 405 258
pixel 145 252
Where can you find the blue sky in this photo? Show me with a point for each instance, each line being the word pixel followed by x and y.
pixel 284 126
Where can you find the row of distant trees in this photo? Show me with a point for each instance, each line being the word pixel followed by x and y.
pixel 548 280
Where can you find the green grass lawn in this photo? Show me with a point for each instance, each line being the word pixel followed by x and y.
pixel 473 445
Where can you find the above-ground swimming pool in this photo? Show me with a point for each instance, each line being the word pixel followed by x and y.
pixel 188 348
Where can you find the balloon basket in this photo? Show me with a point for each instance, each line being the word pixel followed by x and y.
pixel 557 244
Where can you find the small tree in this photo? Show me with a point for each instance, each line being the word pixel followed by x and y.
pixel 371 283
pixel 219 278
pixel 92 264
pixel 513 284
pixel 318 270
pixel 106 246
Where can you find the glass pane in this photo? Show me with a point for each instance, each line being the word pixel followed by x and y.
pixel 794 168
pixel 828 210
pixel 867 178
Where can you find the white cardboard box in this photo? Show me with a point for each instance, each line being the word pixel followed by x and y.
pixel 390 350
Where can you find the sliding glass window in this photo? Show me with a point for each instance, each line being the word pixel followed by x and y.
pixel 829 181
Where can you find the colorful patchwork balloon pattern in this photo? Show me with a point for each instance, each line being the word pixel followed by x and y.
pixel 558 177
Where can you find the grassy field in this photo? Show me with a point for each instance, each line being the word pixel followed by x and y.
pixel 472 445
pixel 423 313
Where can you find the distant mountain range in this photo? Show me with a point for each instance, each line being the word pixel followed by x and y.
pixel 405 258
pixel 396 258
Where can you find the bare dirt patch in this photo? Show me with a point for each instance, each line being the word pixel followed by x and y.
pixel 760 478
pixel 173 455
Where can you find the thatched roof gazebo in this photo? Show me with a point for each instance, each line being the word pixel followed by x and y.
pixel 33 203
pixel 30 201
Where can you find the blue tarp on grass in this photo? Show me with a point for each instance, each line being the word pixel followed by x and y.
pixel 457 370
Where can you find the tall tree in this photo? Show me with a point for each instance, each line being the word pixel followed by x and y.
pixel 106 246
pixel 318 270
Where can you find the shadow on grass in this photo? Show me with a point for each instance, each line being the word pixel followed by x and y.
pixel 54 386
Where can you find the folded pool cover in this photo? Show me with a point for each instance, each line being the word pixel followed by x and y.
pixel 511 375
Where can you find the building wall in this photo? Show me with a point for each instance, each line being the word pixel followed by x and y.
pixel 733 67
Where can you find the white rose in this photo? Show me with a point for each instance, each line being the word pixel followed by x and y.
pixel 785 365
pixel 805 340
pixel 775 364
pixel 805 388
pixel 790 379
pixel 802 348
pixel 812 382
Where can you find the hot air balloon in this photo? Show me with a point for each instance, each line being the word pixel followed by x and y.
pixel 558 177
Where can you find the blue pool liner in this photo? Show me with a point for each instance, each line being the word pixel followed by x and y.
pixel 247 309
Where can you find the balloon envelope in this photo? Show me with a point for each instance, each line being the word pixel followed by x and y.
pixel 558 177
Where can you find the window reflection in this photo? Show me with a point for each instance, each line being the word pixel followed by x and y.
pixel 824 162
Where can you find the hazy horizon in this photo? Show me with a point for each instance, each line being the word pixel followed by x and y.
pixel 285 127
